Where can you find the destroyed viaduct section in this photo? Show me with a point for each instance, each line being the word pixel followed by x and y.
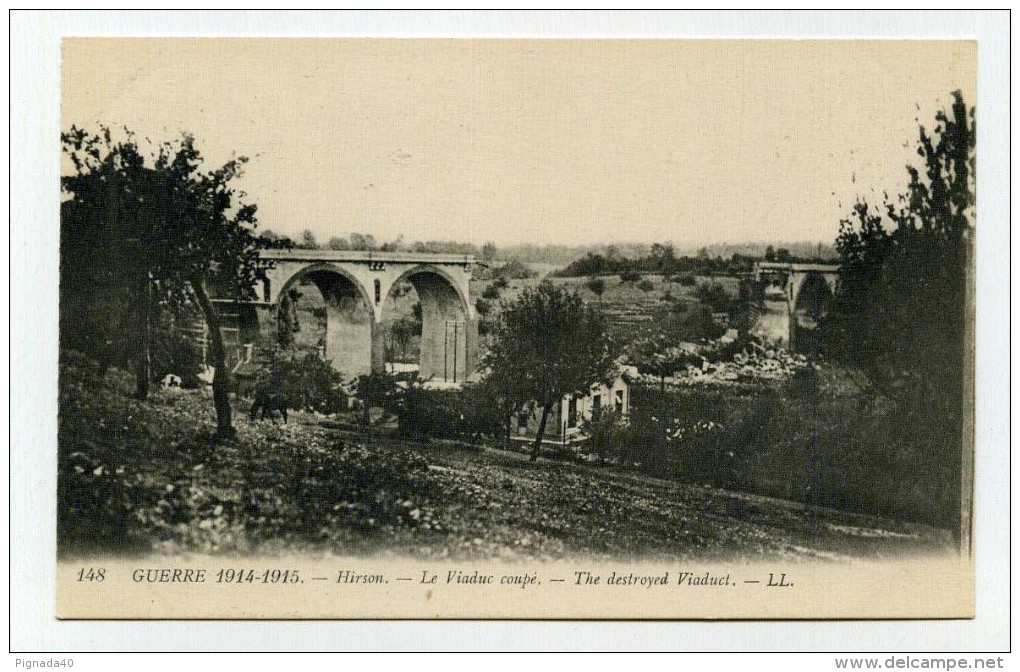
pixel 798 282
pixel 355 286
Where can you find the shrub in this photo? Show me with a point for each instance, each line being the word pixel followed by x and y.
pixel 307 382
pixel 173 352
pixel 686 280
pixel 94 502
pixel 799 441
pixel 468 413
pixel 483 306
pixel 714 296
pixel 491 292
pixel 630 276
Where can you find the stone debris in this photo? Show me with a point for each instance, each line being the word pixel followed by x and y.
pixel 753 363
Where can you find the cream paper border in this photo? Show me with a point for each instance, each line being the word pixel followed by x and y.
pixel 35 84
pixel 339 588
pixel 893 590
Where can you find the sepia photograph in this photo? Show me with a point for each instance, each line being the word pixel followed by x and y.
pixel 516 328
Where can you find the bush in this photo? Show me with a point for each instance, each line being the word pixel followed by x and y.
pixel 630 276
pixel 174 353
pixel 468 413
pixel 94 502
pixel 797 441
pixel 307 382
pixel 596 285
pixel 714 296
pixel 491 292
pixel 686 280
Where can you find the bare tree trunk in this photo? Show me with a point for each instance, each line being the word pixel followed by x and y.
pixel 221 379
pixel 509 418
pixel 143 365
pixel 541 431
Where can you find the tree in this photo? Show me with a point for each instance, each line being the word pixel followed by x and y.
pixel 337 243
pixel 900 311
pixel 645 285
pixel 362 242
pixel 597 286
pixel 308 241
pixel 663 256
pixel 548 343
pixel 656 356
pixel 403 331
pixel 489 252
pixel 177 228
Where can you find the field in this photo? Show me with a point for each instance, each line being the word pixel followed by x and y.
pixel 627 306
pixel 144 476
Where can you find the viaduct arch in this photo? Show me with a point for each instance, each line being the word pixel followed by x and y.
pixel 355 286
pixel 807 288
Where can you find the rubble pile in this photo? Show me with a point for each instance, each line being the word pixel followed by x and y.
pixel 754 363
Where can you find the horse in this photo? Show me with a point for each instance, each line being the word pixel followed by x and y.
pixel 268 403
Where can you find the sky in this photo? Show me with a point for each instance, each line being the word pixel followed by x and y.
pixel 534 141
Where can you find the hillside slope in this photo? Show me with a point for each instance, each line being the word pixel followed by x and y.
pixel 142 476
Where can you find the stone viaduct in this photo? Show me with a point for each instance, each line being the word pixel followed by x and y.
pixel 794 278
pixel 355 286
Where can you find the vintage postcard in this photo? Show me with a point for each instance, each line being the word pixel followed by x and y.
pixel 516 328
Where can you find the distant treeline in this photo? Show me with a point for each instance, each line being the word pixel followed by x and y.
pixel 662 258
pixel 368 242
pixel 592 259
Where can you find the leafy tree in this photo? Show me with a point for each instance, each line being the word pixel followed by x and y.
pixel 548 343
pixel 900 311
pixel 308 241
pixel 165 227
pixel 489 251
pixel 403 331
pixel 770 253
pixel 363 242
pixel 491 292
pixel 645 285
pixel 337 243
pixel 663 256
pixel 656 360
pixel 597 286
